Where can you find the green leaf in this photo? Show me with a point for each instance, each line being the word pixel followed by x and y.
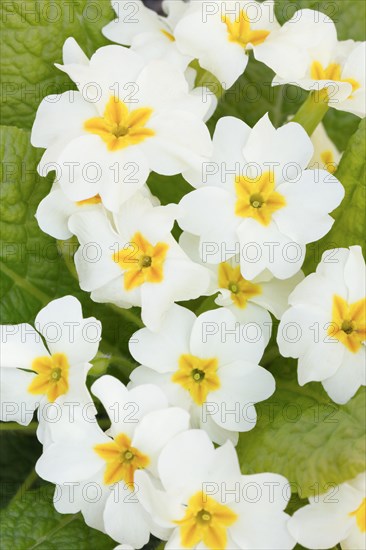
pixel 18 456
pixel 32 522
pixel 33 34
pixel 350 224
pixel 304 436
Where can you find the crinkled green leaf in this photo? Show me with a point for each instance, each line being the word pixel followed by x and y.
pixel 19 453
pixel 350 222
pixel 304 436
pixel 32 521
pixel 32 270
pixel 33 34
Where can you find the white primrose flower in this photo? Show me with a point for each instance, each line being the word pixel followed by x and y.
pixel 137 262
pixel 55 209
pixel 148 33
pixel 46 366
pixel 129 116
pixel 100 467
pixel 209 366
pixel 221 34
pixel 325 327
pixel 323 63
pixel 337 516
pixel 210 504
pixel 250 301
pixel 256 199
pixel 326 154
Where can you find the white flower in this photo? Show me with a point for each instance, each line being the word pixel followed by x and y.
pixel 128 117
pixel 149 34
pixel 250 301
pixel 323 62
pixel 210 504
pixel 207 365
pixel 337 516
pixel 325 327
pixel 221 34
pixel 54 211
pixel 83 455
pixel 257 200
pixel 36 374
pixel 138 262
pixel 326 154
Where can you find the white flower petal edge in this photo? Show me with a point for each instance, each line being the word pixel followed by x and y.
pixel 148 33
pixel 81 454
pixel 221 34
pixel 137 262
pixel 326 155
pixel 261 205
pixel 203 486
pixel 323 63
pixel 33 375
pixel 331 519
pixel 208 365
pixel 325 326
pixel 129 116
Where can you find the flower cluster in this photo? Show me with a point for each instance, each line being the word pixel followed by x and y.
pixel 165 464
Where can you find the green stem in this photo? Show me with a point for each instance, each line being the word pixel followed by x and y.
pixel 312 111
pixel 27 484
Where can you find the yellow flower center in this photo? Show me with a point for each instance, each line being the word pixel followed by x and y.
pixel 93 200
pixel 327 159
pixel 119 127
pixel 198 376
pixel 52 378
pixel 256 197
pixel 239 30
pixel 241 289
pixel 168 35
pixel 141 261
pixel 205 520
pixel 360 515
pixel 122 460
pixel 332 72
pixel 348 323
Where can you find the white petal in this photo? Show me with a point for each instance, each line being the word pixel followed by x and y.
pixel 355 274
pixel 242 385
pixel 124 518
pixel 17 404
pixel 288 149
pixel 53 214
pixel 161 350
pixel 265 247
pixel 183 462
pixel 351 374
pixel 156 429
pixel 308 201
pixel 217 333
pixel 60 115
pixel 20 345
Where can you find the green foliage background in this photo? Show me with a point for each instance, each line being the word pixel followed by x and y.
pixel 300 433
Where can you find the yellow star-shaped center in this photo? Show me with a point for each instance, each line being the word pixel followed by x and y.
pixel 119 127
pixel 241 289
pixel 205 521
pixel 256 197
pixel 348 323
pixel 52 378
pixel 239 30
pixel 122 460
pixel 141 261
pixel 197 376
